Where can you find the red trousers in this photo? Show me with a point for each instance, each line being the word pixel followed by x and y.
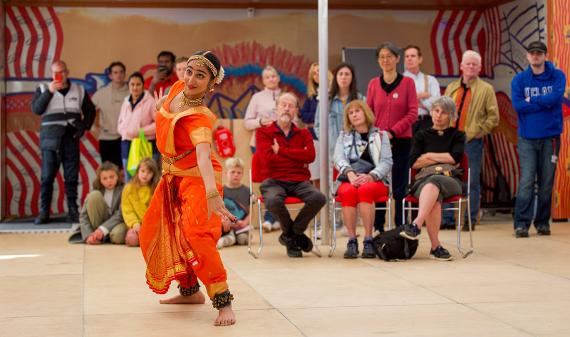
pixel 350 196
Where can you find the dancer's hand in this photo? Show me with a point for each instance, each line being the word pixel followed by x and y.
pixel 216 205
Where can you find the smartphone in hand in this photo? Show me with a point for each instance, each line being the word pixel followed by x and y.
pixel 58 77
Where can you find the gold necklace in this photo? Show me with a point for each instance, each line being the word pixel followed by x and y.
pixel 187 101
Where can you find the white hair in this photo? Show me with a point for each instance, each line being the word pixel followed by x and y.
pixel 471 53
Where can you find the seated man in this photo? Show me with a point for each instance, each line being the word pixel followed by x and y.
pixel 285 152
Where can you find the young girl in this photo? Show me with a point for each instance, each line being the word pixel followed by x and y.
pixel 101 214
pixel 136 197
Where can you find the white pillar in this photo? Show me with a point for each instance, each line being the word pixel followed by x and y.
pixel 324 116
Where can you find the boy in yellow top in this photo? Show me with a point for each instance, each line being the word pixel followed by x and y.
pixel 136 197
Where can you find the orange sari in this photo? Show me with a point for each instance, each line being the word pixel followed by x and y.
pixel 177 239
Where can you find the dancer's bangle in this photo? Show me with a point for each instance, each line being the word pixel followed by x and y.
pixel 212 194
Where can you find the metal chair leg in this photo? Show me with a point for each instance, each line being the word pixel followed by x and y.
pixel 470 251
pixel 249 246
pixel 333 231
pixel 316 249
pixel 389 204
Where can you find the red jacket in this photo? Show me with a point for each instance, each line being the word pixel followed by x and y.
pixel 397 111
pixel 291 162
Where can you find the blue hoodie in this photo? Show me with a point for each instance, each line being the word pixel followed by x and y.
pixel 541 117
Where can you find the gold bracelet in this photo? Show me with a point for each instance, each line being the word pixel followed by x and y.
pixel 212 194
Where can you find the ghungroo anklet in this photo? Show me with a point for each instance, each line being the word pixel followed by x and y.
pixel 189 291
pixel 222 300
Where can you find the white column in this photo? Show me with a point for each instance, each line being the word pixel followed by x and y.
pixel 324 116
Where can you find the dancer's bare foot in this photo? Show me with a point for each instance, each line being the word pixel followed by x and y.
pixel 226 316
pixel 197 298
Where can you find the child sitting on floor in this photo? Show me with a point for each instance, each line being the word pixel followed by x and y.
pixel 136 197
pixel 100 217
pixel 236 200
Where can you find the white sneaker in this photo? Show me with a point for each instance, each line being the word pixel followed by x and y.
pixel 267 226
pixel 344 231
pixel 276 226
pixel 226 241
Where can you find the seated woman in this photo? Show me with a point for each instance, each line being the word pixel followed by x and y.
pixel 432 149
pixel 363 158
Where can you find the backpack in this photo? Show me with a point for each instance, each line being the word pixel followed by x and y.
pixel 390 246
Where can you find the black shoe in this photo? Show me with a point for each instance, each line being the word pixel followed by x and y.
pixel 410 232
pixel 543 231
pixel 440 254
pixel 447 226
pixel 521 233
pixel 73 216
pixel 304 242
pixel 351 249
pixel 42 219
pixel 293 250
pixel 465 227
pixel 368 249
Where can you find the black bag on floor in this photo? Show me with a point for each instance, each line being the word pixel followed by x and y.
pixel 390 246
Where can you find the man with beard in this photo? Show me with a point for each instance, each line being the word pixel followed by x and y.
pixel 286 152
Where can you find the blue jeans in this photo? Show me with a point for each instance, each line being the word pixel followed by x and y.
pixel 535 157
pixel 474 151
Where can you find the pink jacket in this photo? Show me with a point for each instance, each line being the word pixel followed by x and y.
pixel 397 111
pixel 130 122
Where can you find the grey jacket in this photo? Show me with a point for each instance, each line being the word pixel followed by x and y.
pixel 114 219
pixel 379 149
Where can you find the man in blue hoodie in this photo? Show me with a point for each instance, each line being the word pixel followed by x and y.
pixel 537 96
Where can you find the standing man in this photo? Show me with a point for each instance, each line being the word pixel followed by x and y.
pixel 537 96
pixel 427 87
pixel 66 113
pixel 108 101
pixel 478 114
pixel 164 75
pixel 286 152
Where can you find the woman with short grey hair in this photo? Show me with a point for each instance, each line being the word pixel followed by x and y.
pixel 436 153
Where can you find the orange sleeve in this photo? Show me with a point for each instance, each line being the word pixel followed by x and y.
pixel 198 128
pixel 176 88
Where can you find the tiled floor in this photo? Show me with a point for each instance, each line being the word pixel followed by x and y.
pixel 509 287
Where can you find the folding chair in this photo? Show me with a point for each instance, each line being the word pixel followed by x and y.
pixel 382 199
pixel 456 200
pixel 255 177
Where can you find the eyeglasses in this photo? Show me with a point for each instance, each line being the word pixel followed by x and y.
pixel 386 58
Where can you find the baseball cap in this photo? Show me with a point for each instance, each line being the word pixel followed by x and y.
pixel 536 46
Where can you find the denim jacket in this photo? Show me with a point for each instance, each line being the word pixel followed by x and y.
pixel 336 113
pixel 379 149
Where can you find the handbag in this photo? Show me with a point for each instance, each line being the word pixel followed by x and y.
pixel 358 165
pixel 140 148
pixel 438 169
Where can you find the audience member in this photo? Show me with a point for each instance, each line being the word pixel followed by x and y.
pixel 260 113
pixel 66 113
pixel 136 198
pixel 478 114
pixel 164 75
pixel 101 214
pixel 236 200
pixel 537 96
pixel 436 153
pixel 137 112
pixel 286 152
pixel 308 116
pixel 363 159
pixel 108 101
pixel 180 66
pixel 343 90
pixel 427 87
pixel 393 99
